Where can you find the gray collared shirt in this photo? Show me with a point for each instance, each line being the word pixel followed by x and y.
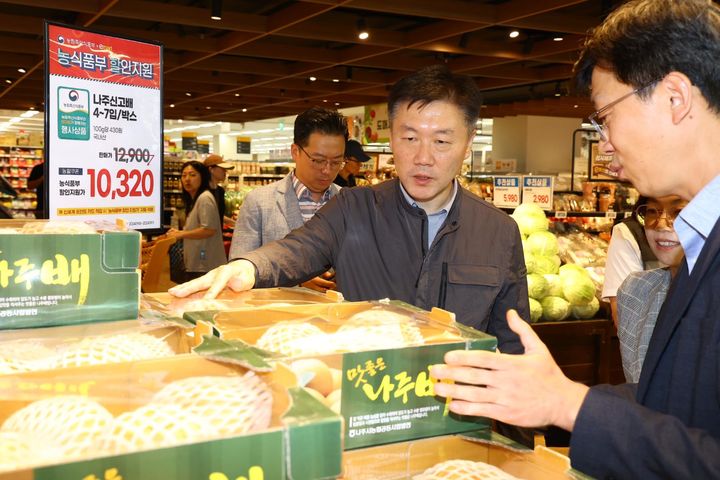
pixel 435 219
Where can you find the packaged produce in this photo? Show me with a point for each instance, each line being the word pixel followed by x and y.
pixel 90 344
pixel 368 360
pixel 67 273
pixel 182 417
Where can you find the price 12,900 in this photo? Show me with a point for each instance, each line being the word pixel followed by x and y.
pixel 128 183
pixel 128 155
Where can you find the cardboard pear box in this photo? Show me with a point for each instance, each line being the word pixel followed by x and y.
pixel 50 279
pixel 301 442
pixel 407 459
pixel 386 392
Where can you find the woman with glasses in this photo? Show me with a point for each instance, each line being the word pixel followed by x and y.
pixel 628 252
pixel 642 294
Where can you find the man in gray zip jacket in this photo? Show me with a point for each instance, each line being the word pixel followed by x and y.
pixel 421 238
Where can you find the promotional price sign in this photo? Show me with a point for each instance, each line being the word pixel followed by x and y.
pixel 506 191
pixel 103 120
pixel 538 190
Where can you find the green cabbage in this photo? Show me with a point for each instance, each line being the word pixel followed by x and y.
pixel 586 311
pixel 537 286
pixel 531 224
pixel 578 289
pixel 542 243
pixel 554 286
pixel 572 268
pixel 544 265
pixel 530 218
pixel 535 310
pixel 554 309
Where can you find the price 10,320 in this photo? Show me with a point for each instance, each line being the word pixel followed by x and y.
pixel 128 183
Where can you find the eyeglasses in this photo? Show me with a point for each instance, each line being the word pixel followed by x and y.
pixel 321 163
pixel 598 123
pixel 649 217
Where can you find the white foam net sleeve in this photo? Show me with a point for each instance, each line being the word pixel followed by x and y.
pixel 232 405
pixel 155 426
pixel 294 339
pixel 125 347
pixel 464 470
pixel 71 421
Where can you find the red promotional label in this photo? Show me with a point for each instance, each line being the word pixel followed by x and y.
pixel 80 54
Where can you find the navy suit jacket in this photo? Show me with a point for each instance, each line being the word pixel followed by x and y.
pixel 667 425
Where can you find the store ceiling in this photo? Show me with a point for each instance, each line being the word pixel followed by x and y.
pixel 257 61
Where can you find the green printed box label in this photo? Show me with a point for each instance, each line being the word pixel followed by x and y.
pixel 389 396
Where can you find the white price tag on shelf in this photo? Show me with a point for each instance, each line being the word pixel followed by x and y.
pixel 561 214
pixel 539 190
pixel 612 215
pixel 506 191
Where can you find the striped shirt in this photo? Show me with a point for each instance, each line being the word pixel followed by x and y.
pixel 308 206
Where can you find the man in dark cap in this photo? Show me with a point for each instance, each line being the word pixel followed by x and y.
pixel 354 158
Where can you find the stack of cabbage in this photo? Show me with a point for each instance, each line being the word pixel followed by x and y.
pixel 555 292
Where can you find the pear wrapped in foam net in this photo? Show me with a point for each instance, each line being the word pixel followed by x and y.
pixel 232 405
pixel 463 470
pixel 376 329
pixel 20 450
pixel 72 422
pixel 25 356
pixel 155 426
pixel 293 339
pixel 114 349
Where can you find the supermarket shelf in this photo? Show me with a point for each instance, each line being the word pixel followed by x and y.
pixel 565 214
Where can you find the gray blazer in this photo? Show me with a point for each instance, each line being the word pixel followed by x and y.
pixel 267 214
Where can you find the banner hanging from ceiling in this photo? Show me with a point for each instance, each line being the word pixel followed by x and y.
pixel 103 127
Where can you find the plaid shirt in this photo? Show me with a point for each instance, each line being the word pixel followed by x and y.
pixel 308 206
pixel 639 300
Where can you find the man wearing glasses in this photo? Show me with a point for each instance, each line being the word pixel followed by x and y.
pixel 652 69
pixel 420 238
pixel 269 213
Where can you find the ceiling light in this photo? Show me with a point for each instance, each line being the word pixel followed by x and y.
pixel 362 31
pixel 244 109
pixel 558 39
pixel 7 80
pixel 208 107
pixel 514 34
pixel 558 92
pixel 188 94
pixel 336 80
pixel 312 79
pixel 237 94
pixel 216 10
pixel 337 103
pixel 21 70
pixel 172 105
pixel 324 101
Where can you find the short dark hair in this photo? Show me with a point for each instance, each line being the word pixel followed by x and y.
pixel 318 120
pixel 204 183
pixel 644 40
pixel 437 83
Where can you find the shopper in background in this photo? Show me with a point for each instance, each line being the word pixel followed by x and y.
pixel 354 158
pixel 420 238
pixel 628 252
pixel 653 71
pixel 36 181
pixel 218 173
pixel 269 213
pixel 642 294
pixel 203 248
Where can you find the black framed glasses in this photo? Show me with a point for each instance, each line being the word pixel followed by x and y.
pixel 598 122
pixel 649 217
pixel 321 163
